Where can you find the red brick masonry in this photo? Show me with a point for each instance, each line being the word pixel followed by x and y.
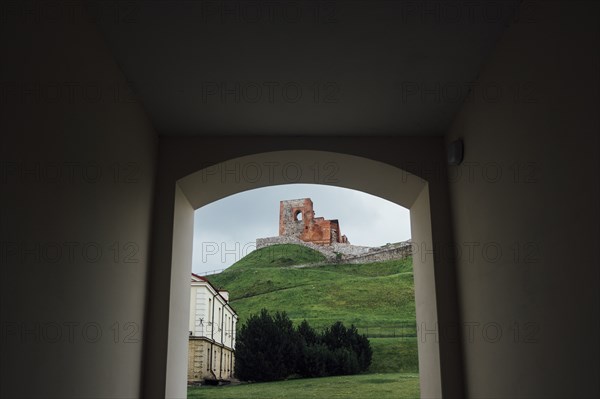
pixel 297 218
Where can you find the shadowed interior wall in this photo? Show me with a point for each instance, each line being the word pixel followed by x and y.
pixel 529 188
pixel 77 176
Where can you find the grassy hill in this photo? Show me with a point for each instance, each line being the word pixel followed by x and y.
pixel 378 298
pixel 277 255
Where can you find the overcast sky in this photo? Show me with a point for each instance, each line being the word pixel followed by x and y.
pixel 226 230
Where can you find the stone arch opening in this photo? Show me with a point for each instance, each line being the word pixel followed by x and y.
pixel 298 217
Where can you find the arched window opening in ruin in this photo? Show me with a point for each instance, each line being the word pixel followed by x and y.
pixel 298 215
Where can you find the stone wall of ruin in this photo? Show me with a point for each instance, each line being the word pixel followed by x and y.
pixel 348 253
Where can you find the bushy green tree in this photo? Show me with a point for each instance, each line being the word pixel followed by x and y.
pixel 336 336
pixel 309 335
pixel 362 347
pixel 345 362
pixel 317 361
pixel 359 355
pixel 269 348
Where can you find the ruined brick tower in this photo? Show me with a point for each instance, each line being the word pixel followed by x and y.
pixel 297 218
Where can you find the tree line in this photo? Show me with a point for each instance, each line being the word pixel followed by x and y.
pixel 269 348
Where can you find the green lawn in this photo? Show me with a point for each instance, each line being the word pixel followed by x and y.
pixel 394 355
pixel 364 386
pixel 278 255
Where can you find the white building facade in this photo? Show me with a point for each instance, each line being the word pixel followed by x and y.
pixel 212 326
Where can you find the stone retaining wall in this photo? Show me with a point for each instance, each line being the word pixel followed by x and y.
pixel 345 253
pixel 349 249
pixel 381 255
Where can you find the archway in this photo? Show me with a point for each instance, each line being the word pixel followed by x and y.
pixel 196 171
pixel 275 168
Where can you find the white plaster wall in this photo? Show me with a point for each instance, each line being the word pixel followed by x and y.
pixel 192 323
pixel 200 294
pixel 425 297
pixel 183 227
pixel 202 310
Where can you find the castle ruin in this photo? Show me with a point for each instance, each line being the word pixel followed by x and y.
pixel 298 225
pixel 297 219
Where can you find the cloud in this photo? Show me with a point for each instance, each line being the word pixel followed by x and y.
pixel 225 230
